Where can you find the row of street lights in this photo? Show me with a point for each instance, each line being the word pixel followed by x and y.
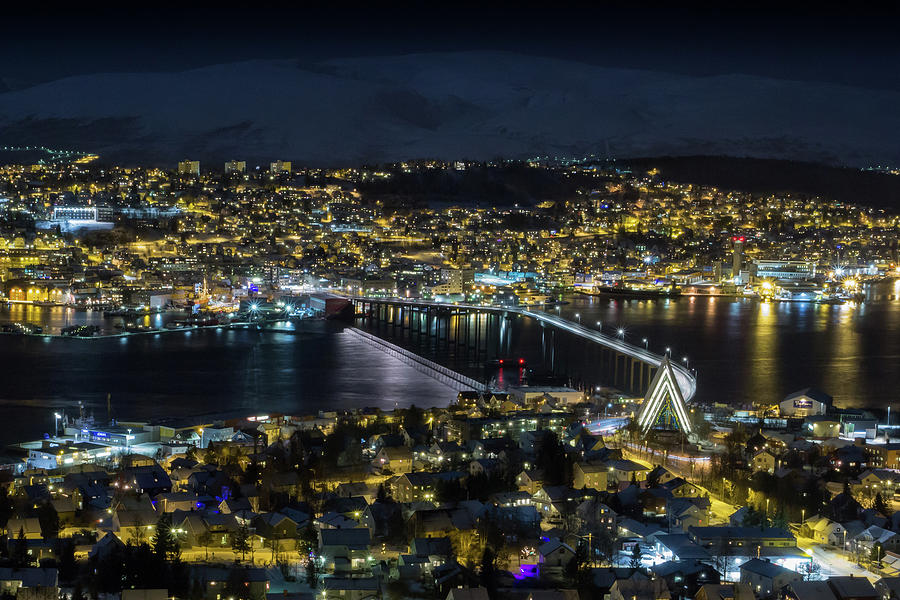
pixel 620 332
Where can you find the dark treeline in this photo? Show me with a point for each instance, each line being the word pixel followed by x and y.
pixel 763 176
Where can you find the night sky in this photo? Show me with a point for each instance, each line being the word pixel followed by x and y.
pixel 855 49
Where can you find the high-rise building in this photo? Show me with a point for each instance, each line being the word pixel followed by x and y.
pixel 189 167
pixel 235 166
pixel 737 256
pixel 280 166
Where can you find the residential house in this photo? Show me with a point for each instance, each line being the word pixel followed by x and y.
pixel 809 590
pixel 765 578
pixel 852 588
pixel 553 556
pixel 530 480
pixel 824 531
pixel 684 513
pixel 594 476
pixel 214 580
pixel 32 583
pixel 347 588
pixel 684 577
pixel 764 460
pixel 725 591
pixel 394 459
pixel 645 589
pixel 625 471
pixel 344 551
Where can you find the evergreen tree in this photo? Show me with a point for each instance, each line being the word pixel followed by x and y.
pixel 165 546
pixel 240 541
pixel 880 505
pixel 488 572
pixel 20 550
pixel 49 521
pixel 635 556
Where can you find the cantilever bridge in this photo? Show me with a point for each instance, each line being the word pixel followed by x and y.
pixel 483 331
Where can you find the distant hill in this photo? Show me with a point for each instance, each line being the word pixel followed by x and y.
pixel 476 105
pixel 767 175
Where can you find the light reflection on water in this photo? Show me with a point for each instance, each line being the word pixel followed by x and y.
pixel 746 350
pixel 204 371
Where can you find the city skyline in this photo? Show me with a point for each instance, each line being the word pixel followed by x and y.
pixel 449 302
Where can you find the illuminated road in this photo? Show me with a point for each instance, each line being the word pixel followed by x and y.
pixel 687 383
pixel 832 561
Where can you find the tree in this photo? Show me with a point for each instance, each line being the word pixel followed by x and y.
pixel 49 521
pixel 273 545
pixel 604 543
pixel 635 556
pixel 65 553
pixel 552 460
pixel 240 541
pixel 20 550
pixel 576 569
pixel 205 540
pixel 881 506
pixel 165 546
pixel 876 553
pixel 413 417
pixel 488 572
pixel 137 535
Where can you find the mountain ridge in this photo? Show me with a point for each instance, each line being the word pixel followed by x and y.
pixel 477 105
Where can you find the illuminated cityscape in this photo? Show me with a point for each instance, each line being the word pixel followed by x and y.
pixel 442 315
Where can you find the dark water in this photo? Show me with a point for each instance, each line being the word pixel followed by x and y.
pixel 743 351
pixel 201 372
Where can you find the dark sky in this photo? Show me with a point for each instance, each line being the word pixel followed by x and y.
pixel 855 49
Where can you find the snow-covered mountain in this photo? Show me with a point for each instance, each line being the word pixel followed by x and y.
pixel 449 105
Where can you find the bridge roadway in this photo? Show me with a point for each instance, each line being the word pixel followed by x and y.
pixel 687 383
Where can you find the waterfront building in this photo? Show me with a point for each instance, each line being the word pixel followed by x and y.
pixel 54 456
pixel 785 269
pixel 805 402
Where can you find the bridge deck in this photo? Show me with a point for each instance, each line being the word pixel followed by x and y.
pixel 685 379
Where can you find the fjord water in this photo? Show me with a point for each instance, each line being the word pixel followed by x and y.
pixel 178 374
pixel 744 350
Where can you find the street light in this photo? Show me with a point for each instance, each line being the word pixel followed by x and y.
pixel 684 359
pixel 578 316
pixel 56 417
pixel 599 324
pixel 646 344
pixel 621 333
pixel 668 351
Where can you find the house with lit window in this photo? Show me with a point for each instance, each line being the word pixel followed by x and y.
pixel 396 459
pixel 594 476
pixel 764 460
pixel 765 578
pixel 344 551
